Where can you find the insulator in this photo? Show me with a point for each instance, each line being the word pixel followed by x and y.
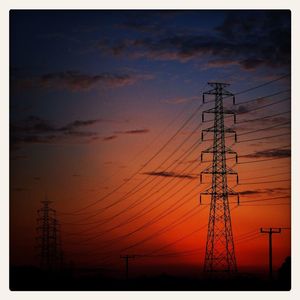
pixel 234 118
pixel 238 196
pixel 200 199
pixel 202 117
pixel 237 178
pixel 235 137
pixel 201 156
pixel 233 99
pixel 236 158
pixel 203 98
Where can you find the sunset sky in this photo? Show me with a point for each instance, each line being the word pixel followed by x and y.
pixel 97 99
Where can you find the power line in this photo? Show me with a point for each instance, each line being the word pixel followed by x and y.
pixel 247 237
pixel 142 199
pixel 269 204
pixel 153 141
pixel 272 181
pixel 164 229
pixel 262 129
pixel 182 238
pixel 151 222
pixel 143 166
pixel 267 176
pixel 261 160
pixel 171 226
pixel 263 97
pixel 262 138
pixel 248 240
pixel 144 210
pixel 164 146
pixel 264 84
pixel 262 118
pixel 266 199
pixel 264 106
pixel 134 189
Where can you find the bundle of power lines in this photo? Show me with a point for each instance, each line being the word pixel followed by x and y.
pixel 164 183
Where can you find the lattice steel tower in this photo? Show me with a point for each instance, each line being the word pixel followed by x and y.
pixel 220 254
pixel 48 239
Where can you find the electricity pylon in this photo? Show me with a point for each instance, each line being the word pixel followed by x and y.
pixel 220 254
pixel 48 239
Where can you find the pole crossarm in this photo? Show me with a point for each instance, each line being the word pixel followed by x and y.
pixel 213 111
pixel 270 231
pixel 227 171
pixel 126 258
pixel 227 150
pixel 225 130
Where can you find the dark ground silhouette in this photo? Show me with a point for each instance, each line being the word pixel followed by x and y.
pixel 33 279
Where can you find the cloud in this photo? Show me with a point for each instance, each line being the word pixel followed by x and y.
pixel 217 63
pixel 35 130
pixel 249 40
pixel 250 192
pixel 80 123
pixel 170 174
pixel 240 109
pixel 78 81
pixel 134 131
pixel 263 191
pixel 270 153
pixel 109 138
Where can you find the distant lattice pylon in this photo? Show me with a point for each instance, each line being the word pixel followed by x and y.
pixel 48 239
pixel 219 254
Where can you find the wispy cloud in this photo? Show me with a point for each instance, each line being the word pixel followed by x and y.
pixel 78 81
pixel 126 132
pixel 268 191
pixel 270 153
pixel 35 130
pixel 133 131
pixel 250 192
pixel 109 138
pixel 170 174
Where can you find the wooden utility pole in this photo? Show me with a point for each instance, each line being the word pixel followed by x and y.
pixel 270 231
pixel 126 258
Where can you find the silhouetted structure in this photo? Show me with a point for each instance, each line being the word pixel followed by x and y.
pixel 285 272
pixel 270 231
pixel 126 258
pixel 48 239
pixel 220 254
